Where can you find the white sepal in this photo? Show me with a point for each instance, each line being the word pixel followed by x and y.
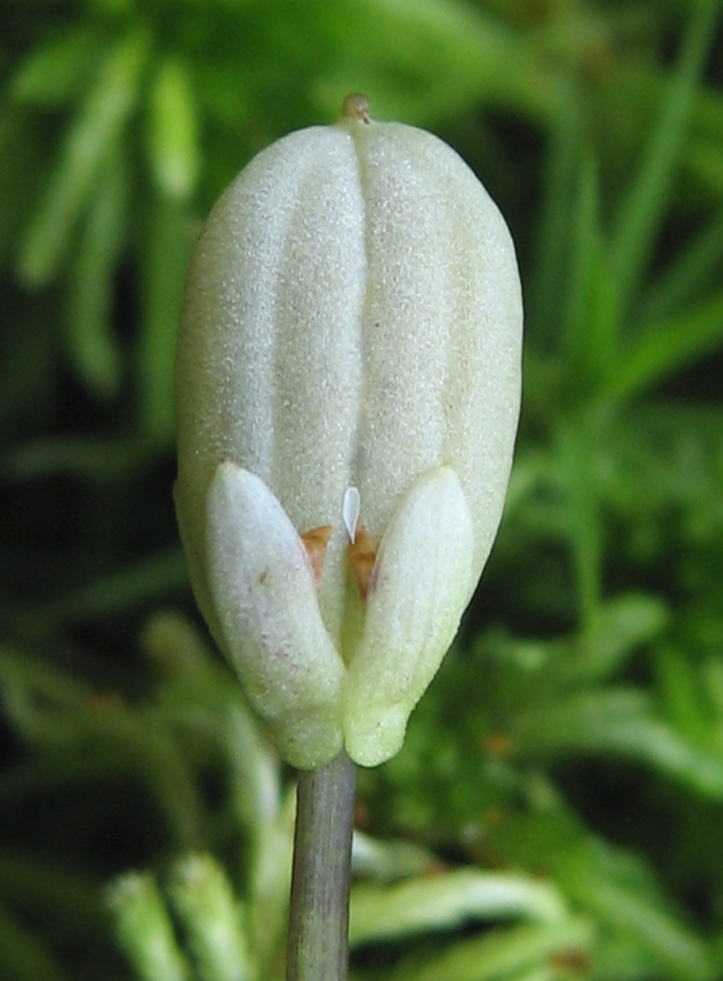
pixel 265 598
pixel 417 593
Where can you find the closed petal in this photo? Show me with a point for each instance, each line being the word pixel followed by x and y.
pixel 265 601
pixel 417 594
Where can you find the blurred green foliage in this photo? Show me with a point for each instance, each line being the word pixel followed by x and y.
pixel 556 811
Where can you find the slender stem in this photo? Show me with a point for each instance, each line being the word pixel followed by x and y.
pixel 318 944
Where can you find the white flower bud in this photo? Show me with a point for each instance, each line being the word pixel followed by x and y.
pixel 348 377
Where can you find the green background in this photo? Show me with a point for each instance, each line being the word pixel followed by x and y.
pixel 557 811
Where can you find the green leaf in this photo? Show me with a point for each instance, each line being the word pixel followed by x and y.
pixel 705 160
pixel 122 589
pixel 590 316
pixel 21 153
pixel 93 346
pixel 60 719
pixel 618 629
pixel 55 71
pixel 507 954
pixel 622 896
pixel 576 471
pixel 386 861
pixel 93 134
pixel 145 930
pixel 659 352
pixel 25 956
pixel 168 244
pixel 555 224
pixel 173 131
pixel 682 693
pixel 641 214
pixel 270 880
pixel 695 268
pixel 213 919
pixel 618 722
pixel 449 899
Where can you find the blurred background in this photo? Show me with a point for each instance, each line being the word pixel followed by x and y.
pixel 557 810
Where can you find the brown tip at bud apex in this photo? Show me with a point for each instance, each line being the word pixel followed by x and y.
pixel 355 106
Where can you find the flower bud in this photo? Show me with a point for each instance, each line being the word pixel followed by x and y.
pixel 348 395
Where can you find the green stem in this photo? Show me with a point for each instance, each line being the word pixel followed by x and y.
pixel 318 945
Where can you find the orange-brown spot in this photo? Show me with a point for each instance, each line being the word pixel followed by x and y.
pixel 362 555
pixel 574 961
pixel 497 745
pixel 362 818
pixel 355 106
pixel 315 541
pixel 104 701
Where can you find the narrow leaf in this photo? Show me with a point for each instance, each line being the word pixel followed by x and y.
pixel 145 929
pixel 168 242
pixel 666 349
pixel 173 131
pixel 641 215
pixel 95 129
pixel 696 267
pixel 213 919
pixel 451 899
pixel 94 348
pixel 618 722
pixel 54 71
pixel 506 954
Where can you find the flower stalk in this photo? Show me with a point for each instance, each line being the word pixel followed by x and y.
pixel 318 939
